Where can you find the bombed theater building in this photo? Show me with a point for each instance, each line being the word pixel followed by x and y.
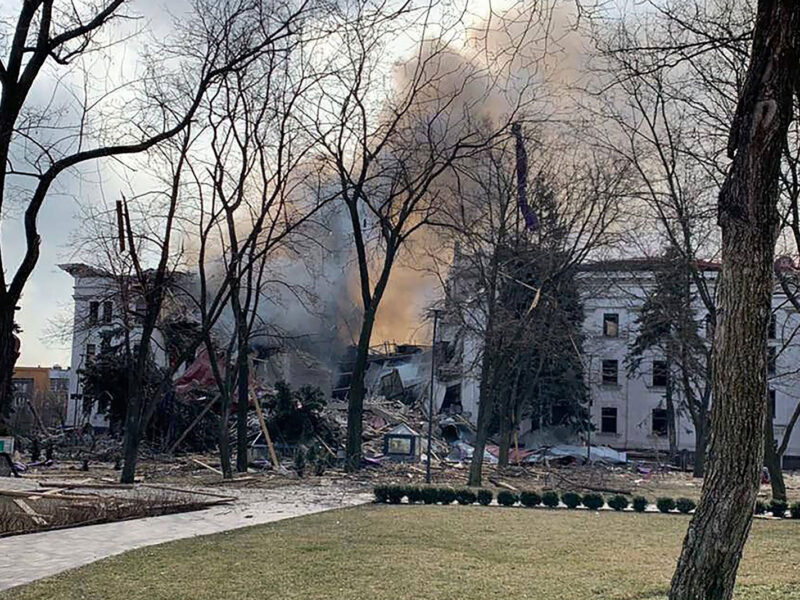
pixel 627 410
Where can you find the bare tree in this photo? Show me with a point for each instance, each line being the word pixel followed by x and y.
pixel 51 33
pixel 389 140
pixel 749 218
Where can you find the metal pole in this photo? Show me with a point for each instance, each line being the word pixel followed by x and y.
pixel 430 398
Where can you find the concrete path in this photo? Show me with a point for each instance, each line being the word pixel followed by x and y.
pixel 26 558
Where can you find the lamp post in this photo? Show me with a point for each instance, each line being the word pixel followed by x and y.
pixel 436 313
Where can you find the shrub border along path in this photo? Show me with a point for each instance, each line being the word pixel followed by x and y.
pixel 395 494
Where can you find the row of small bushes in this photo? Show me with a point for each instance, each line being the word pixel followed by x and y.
pixel 394 494
pixel 778 508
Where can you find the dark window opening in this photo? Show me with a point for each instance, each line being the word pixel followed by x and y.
pixel 452 400
pixel 90 352
pixel 608 419
pixel 660 373
pixel 94 312
pixel 611 325
pixel 772 327
pixel 660 422
pixel 610 369
pixel 772 404
pixel 771 356
pixel 709 327
pixel 107 311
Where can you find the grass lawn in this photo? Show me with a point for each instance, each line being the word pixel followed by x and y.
pixel 434 552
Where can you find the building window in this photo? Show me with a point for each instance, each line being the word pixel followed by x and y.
pixel 91 349
pixel 771 355
pixel 660 422
pixel 611 325
pixel 608 419
pixel 94 312
pixel 559 413
pixel 709 327
pixel 108 308
pixel 772 327
pixel 772 403
pixel 660 373
pixel 610 368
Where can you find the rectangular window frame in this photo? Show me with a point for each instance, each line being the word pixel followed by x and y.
pixel 611 325
pixel 609 366
pixel 608 415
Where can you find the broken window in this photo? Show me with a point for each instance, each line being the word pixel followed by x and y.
pixel 772 327
pixel 94 312
pixel 611 325
pixel 608 419
pixel 660 373
pixel 660 422
pixel 771 355
pixel 772 403
pixel 452 400
pixel 90 352
pixel 610 368
pixel 107 311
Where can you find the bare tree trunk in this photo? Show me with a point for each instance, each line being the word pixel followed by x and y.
pixel 700 445
pixel 748 216
pixel 485 409
pixel 669 402
pixel 772 459
pixel 8 358
pixel 224 437
pixel 242 405
pixel 355 406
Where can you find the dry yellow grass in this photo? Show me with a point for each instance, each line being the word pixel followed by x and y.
pixel 428 552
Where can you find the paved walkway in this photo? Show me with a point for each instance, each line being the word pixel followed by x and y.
pixel 26 558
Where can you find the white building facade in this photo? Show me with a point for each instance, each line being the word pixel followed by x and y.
pixel 628 410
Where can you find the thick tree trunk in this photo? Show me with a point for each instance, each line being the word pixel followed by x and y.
pixel 700 445
pixel 8 358
pixel 672 435
pixel 224 437
pixel 243 403
pixel 355 401
pixel 749 219
pixel 772 459
pixel 485 409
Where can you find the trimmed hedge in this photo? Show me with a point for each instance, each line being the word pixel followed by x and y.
pixel 778 508
pixel 685 505
pixel 485 497
pixel 639 504
pixel 571 499
pixel 430 495
pixel 794 510
pixel 507 498
pixel 395 494
pixel 593 501
pixel 381 493
pixel 665 504
pixel 447 495
pixel 530 499
pixel 761 507
pixel 414 494
pixel 618 502
pixel 550 499
pixel 465 497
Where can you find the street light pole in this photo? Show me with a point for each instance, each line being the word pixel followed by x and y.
pixel 430 394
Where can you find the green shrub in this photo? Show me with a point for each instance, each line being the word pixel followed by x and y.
pixel 593 501
pixel 414 494
pixel 507 498
pixel 665 504
pixel 465 497
pixel 778 508
pixel 381 493
pixel 761 507
pixel 685 505
pixel 618 502
pixel 430 495
pixel 395 494
pixel 550 499
pixel 485 497
pixel 639 504
pixel 447 495
pixel 530 499
pixel 794 510
pixel 571 499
